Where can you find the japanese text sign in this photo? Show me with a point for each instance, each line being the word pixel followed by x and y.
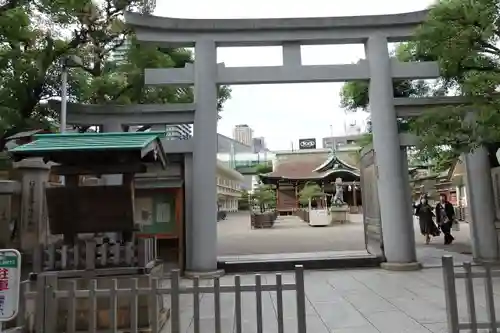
pixel 10 280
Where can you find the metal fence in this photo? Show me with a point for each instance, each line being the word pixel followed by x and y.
pixel 486 272
pixel 42 308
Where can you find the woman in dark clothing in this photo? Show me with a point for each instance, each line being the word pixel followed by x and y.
pixel 425 215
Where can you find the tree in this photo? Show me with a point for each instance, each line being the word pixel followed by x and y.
pixel 309 192
pixel 31 52
pixel 463 36
pixel 444 133
pixel 29 48
pixel 264 196
pixel 106 78
pixel 354 95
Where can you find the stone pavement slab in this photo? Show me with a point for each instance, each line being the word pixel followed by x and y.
pixel 345 301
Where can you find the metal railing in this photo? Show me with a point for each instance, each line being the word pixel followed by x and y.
pixel 485 272
pixel 48 304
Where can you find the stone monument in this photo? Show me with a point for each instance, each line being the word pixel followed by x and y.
pixel 339 211
pixel 338 198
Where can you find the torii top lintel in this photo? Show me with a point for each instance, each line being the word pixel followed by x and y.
pixel 182 32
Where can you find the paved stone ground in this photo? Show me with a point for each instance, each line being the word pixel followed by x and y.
pixel 291 235
pixel 346 301
pixel 338 301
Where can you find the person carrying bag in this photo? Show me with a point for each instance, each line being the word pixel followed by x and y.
pixel 445 217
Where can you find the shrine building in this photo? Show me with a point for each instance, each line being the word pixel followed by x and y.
pixel 293 169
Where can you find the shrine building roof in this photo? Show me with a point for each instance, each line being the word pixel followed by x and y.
pixel 315 166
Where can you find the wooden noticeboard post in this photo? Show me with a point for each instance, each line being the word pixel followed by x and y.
pixel 10 282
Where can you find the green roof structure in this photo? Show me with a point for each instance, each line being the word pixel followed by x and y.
pixel 93 148
pixel 87 141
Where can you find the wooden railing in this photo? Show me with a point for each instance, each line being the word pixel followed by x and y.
pixel 90 255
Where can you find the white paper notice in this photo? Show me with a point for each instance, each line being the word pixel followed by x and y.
pixel 163 212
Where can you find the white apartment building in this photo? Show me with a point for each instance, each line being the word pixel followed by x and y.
pixel 244 134
pixel 229 187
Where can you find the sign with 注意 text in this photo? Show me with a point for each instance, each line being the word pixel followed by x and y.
pixel 10 281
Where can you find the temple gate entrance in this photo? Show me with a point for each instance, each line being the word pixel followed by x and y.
pixel 389 179
pixel 375 32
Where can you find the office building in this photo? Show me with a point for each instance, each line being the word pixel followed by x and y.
pixel 259 144
pixel 175 132
pixel 179 132
pixel 334 142
pixel 229 187
pixel 244 134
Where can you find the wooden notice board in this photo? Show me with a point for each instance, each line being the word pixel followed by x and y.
pixel 157 213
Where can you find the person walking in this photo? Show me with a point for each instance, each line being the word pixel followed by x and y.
pixel 425 215
pixel 445 217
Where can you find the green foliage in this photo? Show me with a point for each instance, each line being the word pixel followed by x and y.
pixel 263 168
pixel 243 201
pixel 463 36
pixel 355 94
pixel 35 37
pixel 310 191
pixel 365 140
pixel 264 196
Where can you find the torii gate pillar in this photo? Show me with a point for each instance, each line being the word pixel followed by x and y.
pixel 203 230
pixel 395 211
pixel 480 195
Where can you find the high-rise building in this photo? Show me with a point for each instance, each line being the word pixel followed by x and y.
pixel 334 142
pixel 259 144
pixel 243 133
pixel 181 131
pixel 175 132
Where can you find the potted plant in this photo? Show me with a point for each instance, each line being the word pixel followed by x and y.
pixel 306 195
pixel 309 192
pixel 264 197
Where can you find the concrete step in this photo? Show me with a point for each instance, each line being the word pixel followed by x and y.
pixel 287 261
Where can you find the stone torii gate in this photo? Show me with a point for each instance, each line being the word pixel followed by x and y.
pixel 375 32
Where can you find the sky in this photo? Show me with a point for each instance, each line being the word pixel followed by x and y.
pixel 283 114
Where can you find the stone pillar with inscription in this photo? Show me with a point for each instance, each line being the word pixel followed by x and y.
pixel 34 227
